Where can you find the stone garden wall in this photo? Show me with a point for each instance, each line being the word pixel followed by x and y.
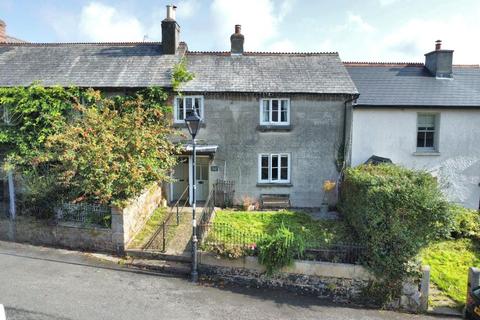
pixel 126 222
pixel 335 281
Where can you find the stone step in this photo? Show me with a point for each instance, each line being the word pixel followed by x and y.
pixel 157 255
pixel 161 266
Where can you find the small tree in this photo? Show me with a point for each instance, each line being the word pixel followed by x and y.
pixel 115 148
pixel 394 212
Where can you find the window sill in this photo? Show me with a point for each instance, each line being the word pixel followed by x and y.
pixel 268 184
pixel 183 125
pixel 426 153
pixel 274 127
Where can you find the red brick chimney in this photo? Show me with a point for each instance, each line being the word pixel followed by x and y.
pixel 3 32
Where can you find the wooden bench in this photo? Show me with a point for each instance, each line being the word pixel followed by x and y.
pixel 275 200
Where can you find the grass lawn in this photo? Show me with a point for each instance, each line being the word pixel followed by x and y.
pixel 249 226
pixel 153 224
pixel 449 262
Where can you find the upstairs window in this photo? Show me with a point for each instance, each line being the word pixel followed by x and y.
pixel 427 128
pixel 275 111
pixel 274 168
pixel 184 106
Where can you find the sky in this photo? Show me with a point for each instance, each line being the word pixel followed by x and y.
pixel 360 30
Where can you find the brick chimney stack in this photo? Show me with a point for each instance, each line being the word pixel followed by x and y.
pixel 170 32
pixel 3 31
pixel 236 40
pixel 439 61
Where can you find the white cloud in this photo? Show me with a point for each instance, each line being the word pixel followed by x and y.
pixel 99 22
pixel 356 21
pixel 260 20
pixel 417 37
pixel 187 9
pixel 387 2
pixel 282 46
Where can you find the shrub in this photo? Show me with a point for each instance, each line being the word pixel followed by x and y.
pixel 466 222
pixel 393 212
pixel 278 250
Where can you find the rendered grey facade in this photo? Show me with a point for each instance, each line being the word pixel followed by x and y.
pixel 272 123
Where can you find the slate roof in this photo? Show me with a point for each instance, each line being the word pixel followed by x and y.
pixel 268 72
pixel 409 85
pixel 143 64
pixel 14 40
pixel 86 64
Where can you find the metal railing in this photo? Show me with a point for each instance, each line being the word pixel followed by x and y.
pixel 206 215
pixel 175 210
pixel 215 235
pixel 84 213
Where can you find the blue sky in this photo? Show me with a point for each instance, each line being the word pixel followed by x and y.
pixel 367 30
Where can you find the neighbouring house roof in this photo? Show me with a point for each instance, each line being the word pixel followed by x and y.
pixel 410 85
pixel 86 64
pixel 268 72
pixel 143 64
pixel 14 40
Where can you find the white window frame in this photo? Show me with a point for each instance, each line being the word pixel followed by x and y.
pixel 435 131
pixel 175 108
pixel 278 122
pixel 270 180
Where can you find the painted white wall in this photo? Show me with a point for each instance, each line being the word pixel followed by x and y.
pixel 391 133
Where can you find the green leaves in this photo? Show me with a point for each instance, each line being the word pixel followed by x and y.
pixel 394 212
pixel 279 250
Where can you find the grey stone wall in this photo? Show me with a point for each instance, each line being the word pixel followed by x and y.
pixel 336 281
pixel 315 134
pixel 126 222
pixel 41 232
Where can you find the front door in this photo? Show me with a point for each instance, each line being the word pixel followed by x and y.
pixel 180 174
pixel 202 178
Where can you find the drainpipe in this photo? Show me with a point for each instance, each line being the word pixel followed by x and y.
pixel 344 142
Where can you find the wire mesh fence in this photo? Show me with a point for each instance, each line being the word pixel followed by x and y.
pixel 215 236
pixel 84 213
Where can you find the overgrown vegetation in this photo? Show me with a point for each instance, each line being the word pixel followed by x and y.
pixel 449 261
pixel 75 145
pixel 393 212
pixel 150 227
pixel 276 236
pixel 279 249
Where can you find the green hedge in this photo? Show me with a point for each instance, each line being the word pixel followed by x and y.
pixel 393 212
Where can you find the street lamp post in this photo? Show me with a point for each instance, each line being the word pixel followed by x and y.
pixel 193 125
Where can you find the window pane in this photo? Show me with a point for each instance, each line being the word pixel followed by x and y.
pixel 429 139
pixel 274 110
pixel 180 109
pixel 274 173
pixel 420 139
pixel 265 161
pixel 188 106
pixel 266 111
pixel 264 174
pixel 284 111
pixel 274 161
pixel 284 161
pixel 197 106
pixel 426 120
pixel 284 173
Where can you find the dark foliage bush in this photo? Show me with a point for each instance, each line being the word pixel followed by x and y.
pixel 393 212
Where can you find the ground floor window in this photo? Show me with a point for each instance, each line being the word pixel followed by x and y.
pixel 274 168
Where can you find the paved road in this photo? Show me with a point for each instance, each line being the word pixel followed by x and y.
pixel 42 283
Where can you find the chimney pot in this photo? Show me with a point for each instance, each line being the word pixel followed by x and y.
pixel 439 61
pixel 170 32
pixel 236 40
pixel 171 12
pixel 3 31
